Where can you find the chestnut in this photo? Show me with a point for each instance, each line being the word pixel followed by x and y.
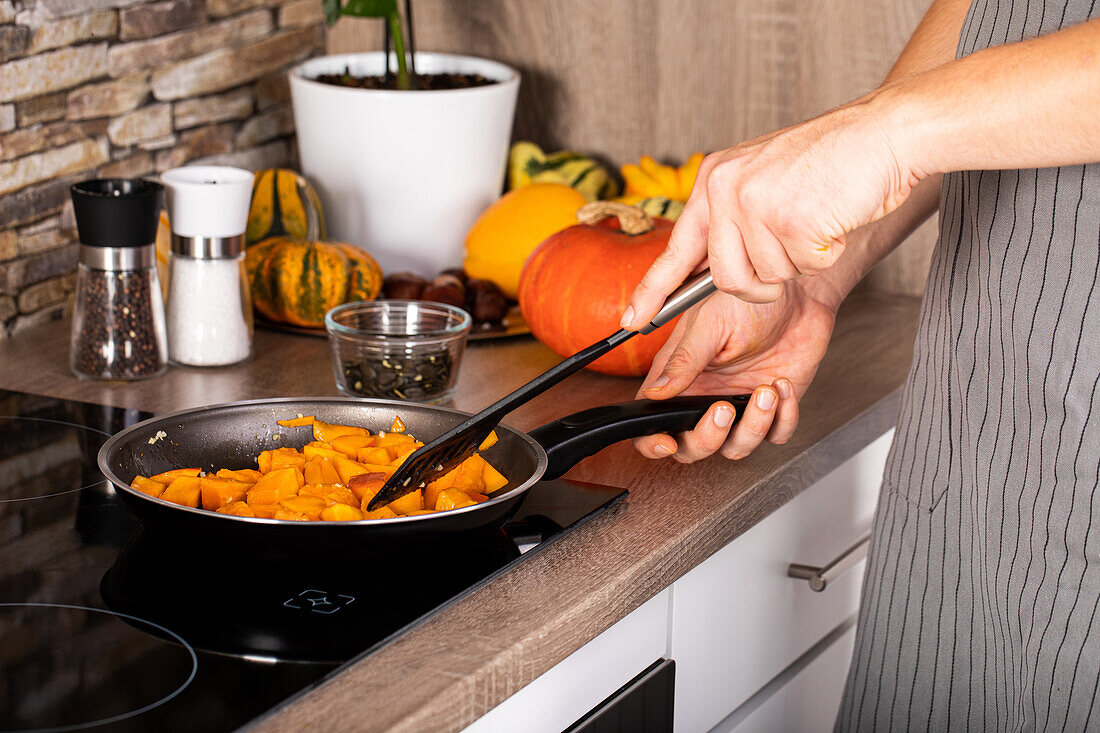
pixel 486 302
pixel 446 289
pixel 404 286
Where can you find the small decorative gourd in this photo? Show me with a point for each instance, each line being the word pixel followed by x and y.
pixel 283 204
pixel 297 281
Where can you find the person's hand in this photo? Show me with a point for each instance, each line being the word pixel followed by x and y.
pixel 727 346
pixel 778 207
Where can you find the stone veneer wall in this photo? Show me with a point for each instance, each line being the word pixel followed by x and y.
pixel 129 88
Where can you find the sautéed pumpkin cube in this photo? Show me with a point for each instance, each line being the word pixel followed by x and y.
pixel 452 499
pixel 263 511
pixel 315 449
pixel 218 492
pixel 349 444
pixel 276 486
pixel 311 506
pixel 184 490
pixel 380 513
pixel 326 432
pixel 147 486
pixel 410 502
pixel 250 475
pixel 341 513
pixel 167 477
pixel 237 509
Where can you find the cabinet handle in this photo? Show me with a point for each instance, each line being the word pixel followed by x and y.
pixel 820 577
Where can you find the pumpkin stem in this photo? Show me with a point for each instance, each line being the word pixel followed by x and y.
pixel 632 220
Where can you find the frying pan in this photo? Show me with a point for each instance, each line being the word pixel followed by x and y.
pixel 232 436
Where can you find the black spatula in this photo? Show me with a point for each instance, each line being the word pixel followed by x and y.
pixel 462 441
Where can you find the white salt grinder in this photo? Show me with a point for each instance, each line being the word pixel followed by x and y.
pixel 209 310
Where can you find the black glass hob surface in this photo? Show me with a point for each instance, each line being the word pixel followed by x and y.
pixel 106 627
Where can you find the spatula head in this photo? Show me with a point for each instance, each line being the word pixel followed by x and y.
pixel 432 461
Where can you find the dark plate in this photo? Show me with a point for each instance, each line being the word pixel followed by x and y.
pixel 513 325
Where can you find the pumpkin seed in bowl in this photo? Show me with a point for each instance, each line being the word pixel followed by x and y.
pixel 397 349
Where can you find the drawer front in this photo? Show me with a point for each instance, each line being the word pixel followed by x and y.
pixel 580 682
pixel 738 620
pixel 807 702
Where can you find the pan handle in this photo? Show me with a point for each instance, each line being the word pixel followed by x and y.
pixel 577 436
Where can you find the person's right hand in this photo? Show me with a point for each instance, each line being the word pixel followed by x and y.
pixel 779 207
pixel 728 346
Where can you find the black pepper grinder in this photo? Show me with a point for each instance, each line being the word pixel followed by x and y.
pixel 118 318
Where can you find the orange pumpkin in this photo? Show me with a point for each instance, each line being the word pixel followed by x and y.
pixel 576 284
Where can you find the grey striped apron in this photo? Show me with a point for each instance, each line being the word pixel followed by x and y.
pixel 981 601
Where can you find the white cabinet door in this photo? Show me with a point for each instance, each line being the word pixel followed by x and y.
pixel 738 620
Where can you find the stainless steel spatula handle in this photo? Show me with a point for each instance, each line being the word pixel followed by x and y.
pixel 682 298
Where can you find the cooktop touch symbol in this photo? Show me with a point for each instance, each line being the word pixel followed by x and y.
pixel 319 601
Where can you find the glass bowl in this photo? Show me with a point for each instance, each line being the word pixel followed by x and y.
pixel 397 349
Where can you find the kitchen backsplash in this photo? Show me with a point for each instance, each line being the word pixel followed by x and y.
pixel 129 88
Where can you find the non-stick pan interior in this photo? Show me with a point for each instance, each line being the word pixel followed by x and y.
pixel 231 436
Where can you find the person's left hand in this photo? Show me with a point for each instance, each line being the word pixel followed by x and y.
pixel 725 345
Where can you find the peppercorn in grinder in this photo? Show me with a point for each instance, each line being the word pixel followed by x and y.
pixel 209 308
pixel 118 329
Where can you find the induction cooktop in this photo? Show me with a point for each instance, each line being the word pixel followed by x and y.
pixel 107 627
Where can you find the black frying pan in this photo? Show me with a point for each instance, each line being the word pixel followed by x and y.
pixel 234 434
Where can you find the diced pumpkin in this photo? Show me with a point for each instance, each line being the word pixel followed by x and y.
pixel 403 452
pixel 326 432
pixel 263 511
pixel 147 486
pixel 311 506
pixel 296 422
pixel 490 440
pixel 348 469
pixel 276 486
pixel 433 489
pixel 452 499
pixel 218 492
pixel 380 513
pixel 410 502
pixel 492 479
pixel 366 485
pixel 391 440
pixel 341 513
pixel 349 444
pixel 375 454
pixel 319 470
pixel 283 457
pixel 319 449
pixel 167 477
pixel 398 425
pixel 249 475
pixel 184 490
pixel 237 509
pixel 477 497
pixel 469 474
pixel 263 461
pixel 385 468
pixel 331 494
pixel 289 515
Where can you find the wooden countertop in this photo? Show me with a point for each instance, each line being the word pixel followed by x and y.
pixel 453 668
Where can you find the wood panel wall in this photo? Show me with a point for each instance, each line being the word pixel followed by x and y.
pixel 622 78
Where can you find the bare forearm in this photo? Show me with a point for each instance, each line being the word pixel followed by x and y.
pixel 1031 104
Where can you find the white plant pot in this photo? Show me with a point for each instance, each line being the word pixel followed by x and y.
pixel 404 174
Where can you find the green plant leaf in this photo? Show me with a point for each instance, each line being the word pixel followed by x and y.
pixel 332 10
pixel 370 8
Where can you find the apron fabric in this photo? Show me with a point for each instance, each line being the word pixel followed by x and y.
pixel 981 599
